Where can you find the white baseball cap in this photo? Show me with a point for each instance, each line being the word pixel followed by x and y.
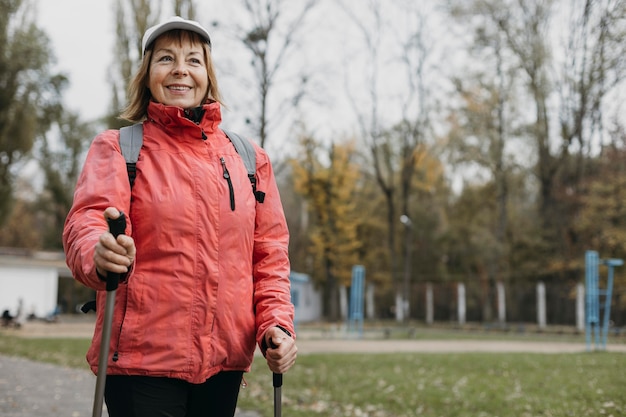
pixel 174 22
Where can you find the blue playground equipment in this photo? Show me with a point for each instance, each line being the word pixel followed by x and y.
pixel 355 316
pixel 593 294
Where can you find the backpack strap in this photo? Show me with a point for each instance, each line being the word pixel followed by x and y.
pixel 245 149
pixel 131 139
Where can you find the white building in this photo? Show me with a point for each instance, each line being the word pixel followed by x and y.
pixel 30 279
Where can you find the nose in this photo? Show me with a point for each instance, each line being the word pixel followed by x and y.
pixel 180 70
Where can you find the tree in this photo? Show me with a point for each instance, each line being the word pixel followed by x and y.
pixel 21 229
pixel 393 150
pixel 61 165
pixel 601 225
pixel 270 38
pixel 575 82
pixel 132 19
pixel 415 128
pixel 602 221
pixel 30 95
pixel 482 135
pixel 592 70
pixel 330 191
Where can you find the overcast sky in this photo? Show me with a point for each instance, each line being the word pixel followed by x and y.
pixel 82 36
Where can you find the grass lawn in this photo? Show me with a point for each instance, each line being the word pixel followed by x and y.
pixel 416 384
pixel 447 385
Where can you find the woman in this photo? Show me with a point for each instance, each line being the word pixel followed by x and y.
pixel 203 281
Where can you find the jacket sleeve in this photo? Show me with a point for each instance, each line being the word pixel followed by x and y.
pixel 102 183
pixel 272 293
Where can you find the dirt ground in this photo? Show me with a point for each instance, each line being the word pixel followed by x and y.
pixel 315 341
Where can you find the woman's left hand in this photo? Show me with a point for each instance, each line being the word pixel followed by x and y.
pixel 281 352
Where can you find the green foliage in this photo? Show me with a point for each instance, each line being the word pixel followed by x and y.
pixel 602 220
pixel 603 214
pixel 61 166
pixel 21 229
pixel 403 385
pixel 329 190
pixel 29 92
pixel 59 351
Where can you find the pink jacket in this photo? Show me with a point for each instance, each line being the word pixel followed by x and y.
pixel 207 281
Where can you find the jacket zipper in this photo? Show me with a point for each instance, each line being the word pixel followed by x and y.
pixel 230 184
pixel 116 353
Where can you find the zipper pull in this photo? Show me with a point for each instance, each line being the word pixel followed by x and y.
pixel 230 184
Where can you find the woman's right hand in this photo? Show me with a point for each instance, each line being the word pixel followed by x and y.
pixel 111 254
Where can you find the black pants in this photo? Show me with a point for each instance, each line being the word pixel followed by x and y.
pixel 143 396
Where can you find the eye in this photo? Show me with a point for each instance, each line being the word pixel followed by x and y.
pixel 165 58
pixel 195 61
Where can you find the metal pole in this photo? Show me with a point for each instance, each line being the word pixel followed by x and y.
pixel 611 263
pixel 104 354
pixel 116 227
pixel 277 380
pixel 406 221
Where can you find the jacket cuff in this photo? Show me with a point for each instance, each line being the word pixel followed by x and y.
pixel 123 277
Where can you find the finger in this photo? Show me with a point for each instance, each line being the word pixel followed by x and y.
pixel 129 244
pixel 276 342
pixel 282 366
pixel 280 360
pixel 113 258
pixel 272 338
pixel 110 261
pixel 110 246
pixel 111 213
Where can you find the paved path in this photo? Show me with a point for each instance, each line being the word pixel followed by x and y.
pixel 33 389
pixel 442 346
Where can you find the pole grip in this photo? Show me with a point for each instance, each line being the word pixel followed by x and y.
pixel 116 227
pixel 277 380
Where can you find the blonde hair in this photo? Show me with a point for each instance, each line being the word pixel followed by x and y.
pixel 139 95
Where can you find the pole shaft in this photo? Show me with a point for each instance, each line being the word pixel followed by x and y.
pixel 278 402
pixel 104 355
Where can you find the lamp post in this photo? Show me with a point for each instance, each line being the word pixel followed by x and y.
pixel 408 231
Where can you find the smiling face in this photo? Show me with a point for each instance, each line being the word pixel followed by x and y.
pixel 178 73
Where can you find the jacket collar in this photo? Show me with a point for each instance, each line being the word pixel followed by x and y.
pixel 170 117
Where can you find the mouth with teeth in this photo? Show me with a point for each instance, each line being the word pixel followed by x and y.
pixel 179 88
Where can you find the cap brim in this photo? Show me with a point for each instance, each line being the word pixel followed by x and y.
pixel 158 30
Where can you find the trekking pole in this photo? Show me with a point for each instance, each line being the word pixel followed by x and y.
pixel 116 227
pixel 278 383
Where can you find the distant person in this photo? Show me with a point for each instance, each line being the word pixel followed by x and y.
pixel 205 268
pixel 19 316
pixel 53 316
pixel 7 318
